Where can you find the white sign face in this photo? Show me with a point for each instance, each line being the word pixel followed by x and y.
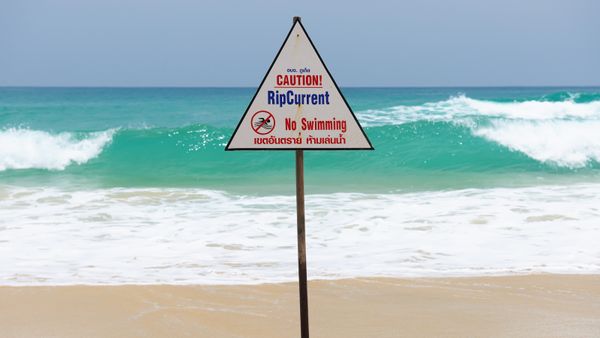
pixel 298 105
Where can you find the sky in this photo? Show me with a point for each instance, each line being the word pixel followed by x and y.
pixel 364 43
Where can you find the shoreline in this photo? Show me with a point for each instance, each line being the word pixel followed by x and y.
pixel 537 305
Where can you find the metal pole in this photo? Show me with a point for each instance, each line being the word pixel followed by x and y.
pixel 301 243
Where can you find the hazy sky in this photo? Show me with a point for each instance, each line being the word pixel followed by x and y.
pixel 364 43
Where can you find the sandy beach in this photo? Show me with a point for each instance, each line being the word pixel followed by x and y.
pixel 514 306
pixel 199 169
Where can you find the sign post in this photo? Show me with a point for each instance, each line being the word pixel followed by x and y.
pixel 300 221
pixel 298 106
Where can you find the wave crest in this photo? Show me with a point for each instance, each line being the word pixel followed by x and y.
pixel 35 149
pixel 565 133
pixel 571 144
pixel 461 107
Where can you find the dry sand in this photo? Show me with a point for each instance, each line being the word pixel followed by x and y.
pixel 517 306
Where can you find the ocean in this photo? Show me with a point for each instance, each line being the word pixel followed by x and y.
pixel 132 185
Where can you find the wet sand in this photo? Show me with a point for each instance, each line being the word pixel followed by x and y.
pixel 515 306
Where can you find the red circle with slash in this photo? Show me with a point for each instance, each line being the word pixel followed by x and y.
pixel 262 122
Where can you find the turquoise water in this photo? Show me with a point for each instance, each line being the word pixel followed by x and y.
pixel 425 139
pixel 127 185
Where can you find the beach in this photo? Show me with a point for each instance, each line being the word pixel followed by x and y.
pixel 510 306
pixel 121 215
pixel 335 169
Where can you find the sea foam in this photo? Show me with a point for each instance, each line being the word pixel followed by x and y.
pixel 571 144
pixel 185 236
pixel 461 107
pixel 564 133
pixel 35 149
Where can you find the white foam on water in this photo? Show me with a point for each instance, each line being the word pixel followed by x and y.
pixel 35 149
pixel 50 236
pixel 571 144
pixel 564 133
pixel 461 107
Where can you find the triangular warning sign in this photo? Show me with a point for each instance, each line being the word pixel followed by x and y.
pixel 298 105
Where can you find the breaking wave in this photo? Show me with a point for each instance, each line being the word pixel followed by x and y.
pixel 35 149
pixel 563 133
pixel 461 107
pixel 457 134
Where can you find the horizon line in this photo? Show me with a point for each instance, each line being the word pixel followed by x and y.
pixel 251 87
